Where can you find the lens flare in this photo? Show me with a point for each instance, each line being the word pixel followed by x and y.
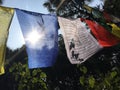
pixel 34 37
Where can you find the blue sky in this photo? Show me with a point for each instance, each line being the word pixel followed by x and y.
pixel 15 38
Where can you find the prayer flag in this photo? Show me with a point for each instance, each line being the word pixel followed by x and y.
pixel 40 32
pixel 79 43
pixel 104 37
pixel 115 29
pixel 6 15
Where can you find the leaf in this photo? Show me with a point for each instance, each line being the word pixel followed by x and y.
pixel 25 81
pixel 43 75
pixel 21 87
pixel 23 73
pixel 113 74
pixel 83 69
pixel 91 81
pixel 82 80
pixel 107 82
pixel 34 73
pixel 10 70
pixel 34 80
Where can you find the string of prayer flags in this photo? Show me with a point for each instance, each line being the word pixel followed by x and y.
pixel 6 15
pixel 104 18
pixel 105 38
pixel 98 16
pixel 101 15
pixel 40 32
pixel 79 43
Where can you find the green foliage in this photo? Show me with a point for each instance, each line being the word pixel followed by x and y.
pixel 82 80
pixel 91 81
pixel 101 81
pixel 83 69
pixel 26 79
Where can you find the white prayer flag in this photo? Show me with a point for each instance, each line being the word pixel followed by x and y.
pixel 79 43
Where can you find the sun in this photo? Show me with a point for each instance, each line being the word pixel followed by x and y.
pixel 34 37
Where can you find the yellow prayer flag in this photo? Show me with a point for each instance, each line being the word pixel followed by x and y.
pixel 115 30
pixel 6 15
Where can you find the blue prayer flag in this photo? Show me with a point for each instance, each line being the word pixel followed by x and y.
pixel 40 32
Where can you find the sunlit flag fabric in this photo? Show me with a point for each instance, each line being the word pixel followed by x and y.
pixel 40 32
pixel 5 19
pixel 80 44
pixel 104 37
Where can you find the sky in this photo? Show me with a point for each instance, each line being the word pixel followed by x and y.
pixel 15 38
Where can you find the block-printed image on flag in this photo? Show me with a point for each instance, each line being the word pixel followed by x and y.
pixel 6 15
pixel 40 32
pixel 79 43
